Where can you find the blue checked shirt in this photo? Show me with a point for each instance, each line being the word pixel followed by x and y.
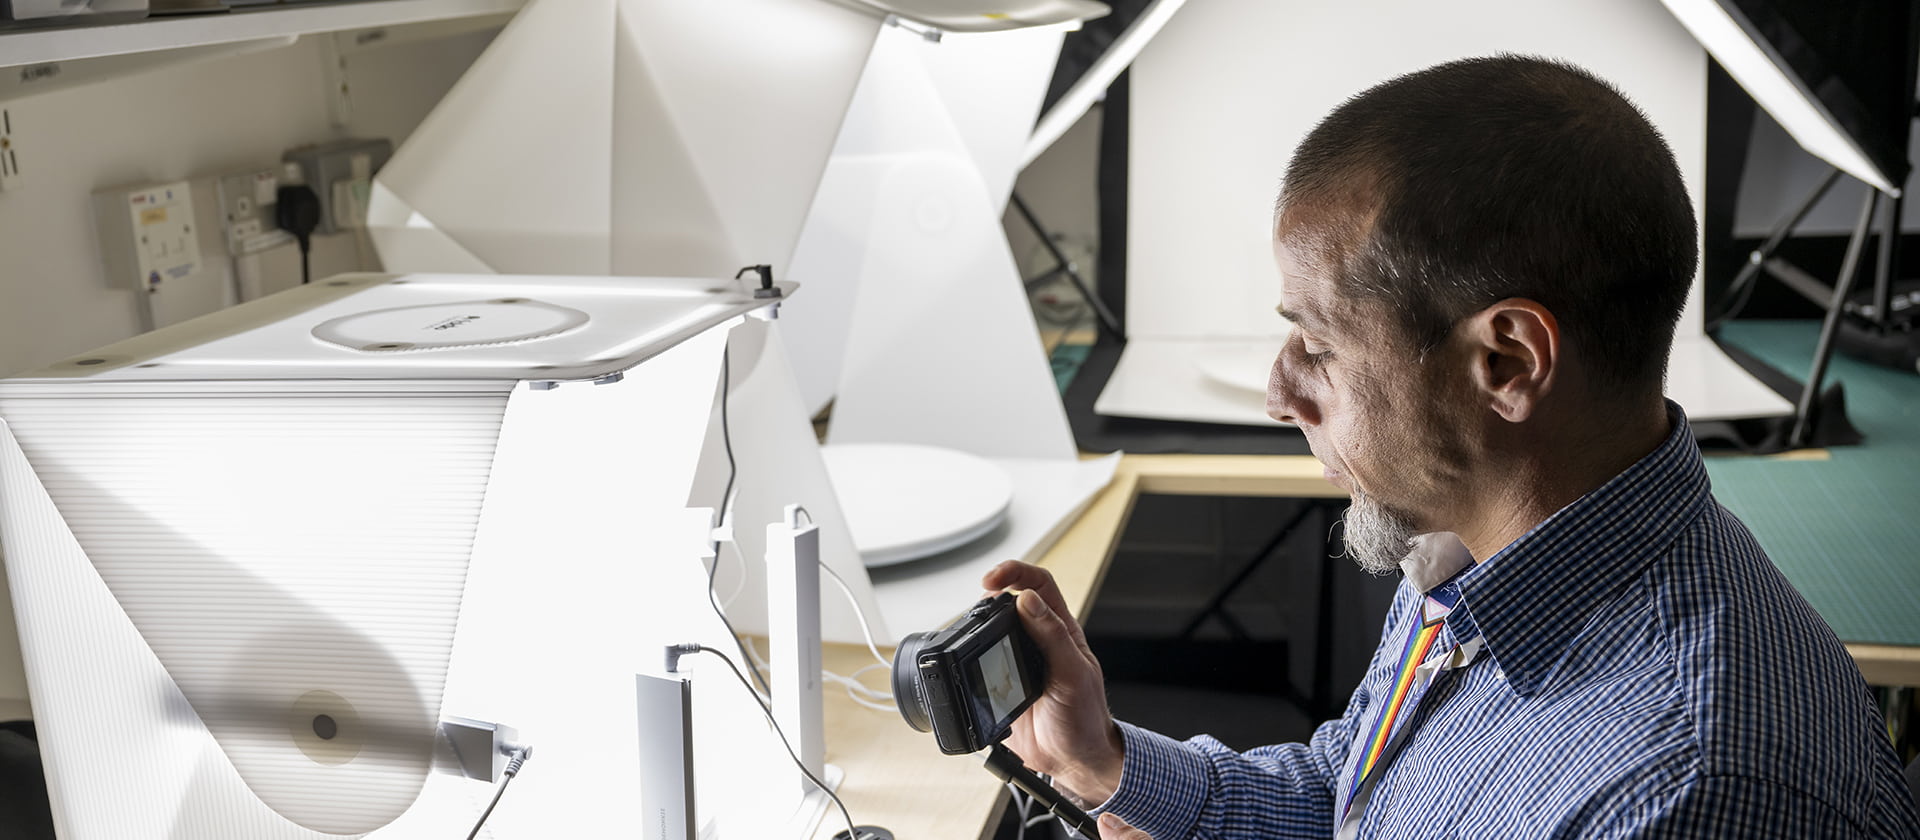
pixel 1647 673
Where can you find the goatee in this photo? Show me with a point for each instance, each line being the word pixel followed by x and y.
pixel 1377 537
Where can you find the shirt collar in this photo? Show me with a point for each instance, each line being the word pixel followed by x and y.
pixel 1531 598
pixel 1435 559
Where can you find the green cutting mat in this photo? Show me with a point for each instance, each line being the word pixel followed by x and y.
pixel 1846 531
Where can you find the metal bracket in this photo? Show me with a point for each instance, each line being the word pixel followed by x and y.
pixel 480 749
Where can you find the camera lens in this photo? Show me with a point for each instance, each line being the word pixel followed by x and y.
pixel 907 691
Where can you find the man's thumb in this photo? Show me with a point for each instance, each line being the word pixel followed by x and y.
pixel 1046 627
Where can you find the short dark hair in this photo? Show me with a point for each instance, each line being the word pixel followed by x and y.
pixel 1443 191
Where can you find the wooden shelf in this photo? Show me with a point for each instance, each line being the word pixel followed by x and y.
pixel 43 46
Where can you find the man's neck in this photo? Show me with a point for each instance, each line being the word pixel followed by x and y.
pixel 1544 471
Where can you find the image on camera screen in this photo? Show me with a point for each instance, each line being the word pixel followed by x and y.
pixel 1000 676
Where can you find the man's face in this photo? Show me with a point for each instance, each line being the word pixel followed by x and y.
pixel 1387 427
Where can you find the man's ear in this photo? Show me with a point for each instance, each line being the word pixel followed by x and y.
pixel 1516 355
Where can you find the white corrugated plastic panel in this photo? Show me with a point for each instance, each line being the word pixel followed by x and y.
pixel 265 564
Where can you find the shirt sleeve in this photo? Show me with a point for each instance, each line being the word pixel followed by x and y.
pixel 1176 790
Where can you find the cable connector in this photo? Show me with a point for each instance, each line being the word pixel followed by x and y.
pixel 297 211
pixel 674 652
pixel 521 753
pixel 767 290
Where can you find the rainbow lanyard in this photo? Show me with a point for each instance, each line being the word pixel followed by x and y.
pixel 1408 686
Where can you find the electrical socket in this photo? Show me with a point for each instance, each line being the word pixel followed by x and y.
pixel 10 177
pixel 247 202
pixel 341 173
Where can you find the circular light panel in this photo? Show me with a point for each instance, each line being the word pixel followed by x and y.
pixel 442 326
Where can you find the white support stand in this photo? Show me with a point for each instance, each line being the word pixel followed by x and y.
pixel 793 615
pixel 665 714
pixel 793 618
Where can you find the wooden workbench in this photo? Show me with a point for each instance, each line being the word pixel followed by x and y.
pixel 897 779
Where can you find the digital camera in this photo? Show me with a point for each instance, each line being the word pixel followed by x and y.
pixel 969 682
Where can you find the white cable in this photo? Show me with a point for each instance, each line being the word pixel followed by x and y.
pixel 866 629
pixel 867 696
pixel 740 583
pixel 877 694
pixel 1020 803
pixel 861 694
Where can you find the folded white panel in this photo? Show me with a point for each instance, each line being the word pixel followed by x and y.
pixel 656 137
pixel 943 349
pixel 514 162
pixel 972 98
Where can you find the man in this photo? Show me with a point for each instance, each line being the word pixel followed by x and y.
pixel 1484 263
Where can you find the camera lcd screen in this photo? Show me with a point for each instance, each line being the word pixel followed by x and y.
pixel 998 677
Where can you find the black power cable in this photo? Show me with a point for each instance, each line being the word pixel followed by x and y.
pixel 726 501
pixel 297 210
pixel 513 769
pixel 853 831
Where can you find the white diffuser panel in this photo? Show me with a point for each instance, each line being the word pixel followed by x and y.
pixel 285 552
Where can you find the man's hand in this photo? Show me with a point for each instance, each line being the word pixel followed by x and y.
pixel 1114 828
pixel 1068 733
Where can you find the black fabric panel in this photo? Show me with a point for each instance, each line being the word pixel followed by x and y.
pixel 1730 115
pixel 24 812
pixel 1112 199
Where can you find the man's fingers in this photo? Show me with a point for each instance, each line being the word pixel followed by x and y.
pixel 1114 828
pixel 1014 574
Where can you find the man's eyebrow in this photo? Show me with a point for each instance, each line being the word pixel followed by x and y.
pixel 1303 317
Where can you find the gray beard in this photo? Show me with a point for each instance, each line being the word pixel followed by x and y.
pixel 1377 537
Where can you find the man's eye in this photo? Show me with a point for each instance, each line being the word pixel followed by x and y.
pixel 1315 352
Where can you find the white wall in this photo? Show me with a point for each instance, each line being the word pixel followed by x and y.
pixel 171 124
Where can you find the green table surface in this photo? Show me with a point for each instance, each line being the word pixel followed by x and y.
pixel 1845 529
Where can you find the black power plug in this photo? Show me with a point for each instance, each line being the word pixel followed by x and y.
pixel 297 211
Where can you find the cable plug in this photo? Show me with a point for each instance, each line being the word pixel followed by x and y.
pixel 297 211
pixel 674 652
pixel 767 289
pixel 520 755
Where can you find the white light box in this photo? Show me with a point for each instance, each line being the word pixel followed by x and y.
pixel 222 532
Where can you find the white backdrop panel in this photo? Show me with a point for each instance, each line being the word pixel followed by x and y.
pixel 1222 96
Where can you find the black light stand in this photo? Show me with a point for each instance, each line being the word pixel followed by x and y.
pixel 1801 426
pixel 1803 413
pixel 1063 265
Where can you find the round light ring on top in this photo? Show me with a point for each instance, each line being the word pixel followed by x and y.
pixel 443 326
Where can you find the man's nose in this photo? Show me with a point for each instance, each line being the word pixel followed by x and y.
pixel 1287 400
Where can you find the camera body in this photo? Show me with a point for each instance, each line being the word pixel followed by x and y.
pixel 969 681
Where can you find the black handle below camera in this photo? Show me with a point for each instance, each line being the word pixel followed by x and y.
pixel 1002 763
